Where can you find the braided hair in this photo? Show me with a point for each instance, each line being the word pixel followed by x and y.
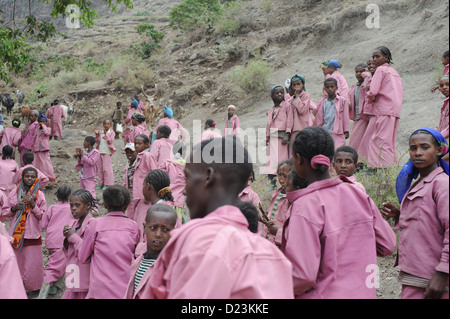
pixel 387 53
pixel 85 196
pixel 160 181
pixel 314 141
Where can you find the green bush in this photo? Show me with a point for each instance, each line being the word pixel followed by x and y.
pixel 254 77
pixel 152 38
pixel 191 14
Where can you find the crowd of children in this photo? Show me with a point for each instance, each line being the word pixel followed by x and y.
pixel 317 238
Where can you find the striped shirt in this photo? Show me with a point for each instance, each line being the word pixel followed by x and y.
pixel 145 264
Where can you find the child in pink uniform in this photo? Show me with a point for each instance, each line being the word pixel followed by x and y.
pixel 53 221
pixel 356 98
pixel 162 147
pixel 11 135
pixel 160 220
pixel 145 164
pixel 77 273
pixel 128 174
pixel 209 132
pixel 215 256
pixel 28 159
pixel 445 63
pixel 133 107
pixel 248 194
pixel 386 94
pixel 41 149
pixel 26 205
pixel 332 68
pixel 109 243
pixel 345 162
pixel 28 135
pixel 55 114
pixel 423 219
pixel 139 126
pixel 178 131
pixel 106 149
pixel 334 231
pixel 332 114
pixel 88 165
pixel 232 124
pixel 8 168
pixel 444 120
pixel 277 133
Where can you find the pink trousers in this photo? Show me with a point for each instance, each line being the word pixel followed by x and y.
pixel 357 133
pixel 409 292
pixel 31 266
pixel 382 151
pixel 339 140
pixel 43 163
pixel 277 153
pixel 56 266
pixel 105 170
pixel 89 185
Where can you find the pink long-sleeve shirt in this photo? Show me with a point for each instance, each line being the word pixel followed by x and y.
pixel 342 89
pixel 341 119
pixel 423 224
pixel 444 120
pixel 142 291
pixel 232 127
pixel 88 163
pixel 27 138
pixel 42 138
pixel 109 243
pixel 386 91
pixel 217 257
pixel 175 126
pixel 11 283
pixel 334 233
pixel 138 130
pixel 75 268
pixel 53 221
pixel 277 118
pixel 145 164
pixel 249 195
pixel 362 98
pixel 177 181
pixel 108 138
pixel 8 168
pixel 55 114
pixel 299 115
pixel 10 136
pixel 162 151
pixel 278 216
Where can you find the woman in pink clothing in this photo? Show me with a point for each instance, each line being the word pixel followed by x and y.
pixel 333 72
pixel 277 133
pixel 55 113
pixel 215 256
pixel 160 220
pixel 386 94
pixel 27 139
pixel 105 146
pixel 53 222
pixel 11 135
pixel 109 244
pixel 139 126
pixel 334 232
pixel 178 131
pixel 423 219
pixel 162 147
pixel 8 168
pixel 41 149
pixel 444 120
pixel 232 124
pixel 209 132
pixel 332 114
pixel 26 205
pixel 77 273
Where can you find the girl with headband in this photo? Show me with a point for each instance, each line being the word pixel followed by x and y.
pixel 332 72
pixel 422 219
pixel 335 230
pixel 41 148
pixel 11 135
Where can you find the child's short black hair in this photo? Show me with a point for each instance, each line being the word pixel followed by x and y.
pixel 119 103
pixel 115 198
pixel 63 193
pixel 144 138
pixel 313 141
pixel 90 140
pixel 361 65
pixel 445 55
pixel 162 208
pixel 16 122
pixel 165 131
pixel 348 149
pixel 333 80
pixel 210 123
pixel 7 152
pixel 251 214
pixel 28 158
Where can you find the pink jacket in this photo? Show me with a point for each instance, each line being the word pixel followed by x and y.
pixel 138 130
pixel 108 137
pixel 177 181
pixel 249 195
pixel 55 115
pixel 142 291
pixel 341 120
pixel 278 121
pixel 10 136
pixel 41 139
pixel 75 267
pixel 342 89
pixel 32 228
pixel 109 243
pixel 175 126
pixel 43 179
pixel 145 164
pixel 162 151
pixel 54 220
pixel 444 121
pixel 279 217
pixel 8 168
pixel 334 232
pixel 221 241
pixel 386 91
pixel 27 139
pixel 3 202
pixel 208 134
pixel 368 105
pixel 89 164
pixel 362 99
pixel 423 224
pixel 233 128
pixel 299 115
pixel 11 283
pixel 356 183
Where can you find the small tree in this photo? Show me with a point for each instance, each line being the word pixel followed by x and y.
pixel 191 14
pixel 152 39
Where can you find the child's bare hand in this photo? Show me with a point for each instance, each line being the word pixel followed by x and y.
pixel 68 231
pixel 436 288
pixel 389 211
